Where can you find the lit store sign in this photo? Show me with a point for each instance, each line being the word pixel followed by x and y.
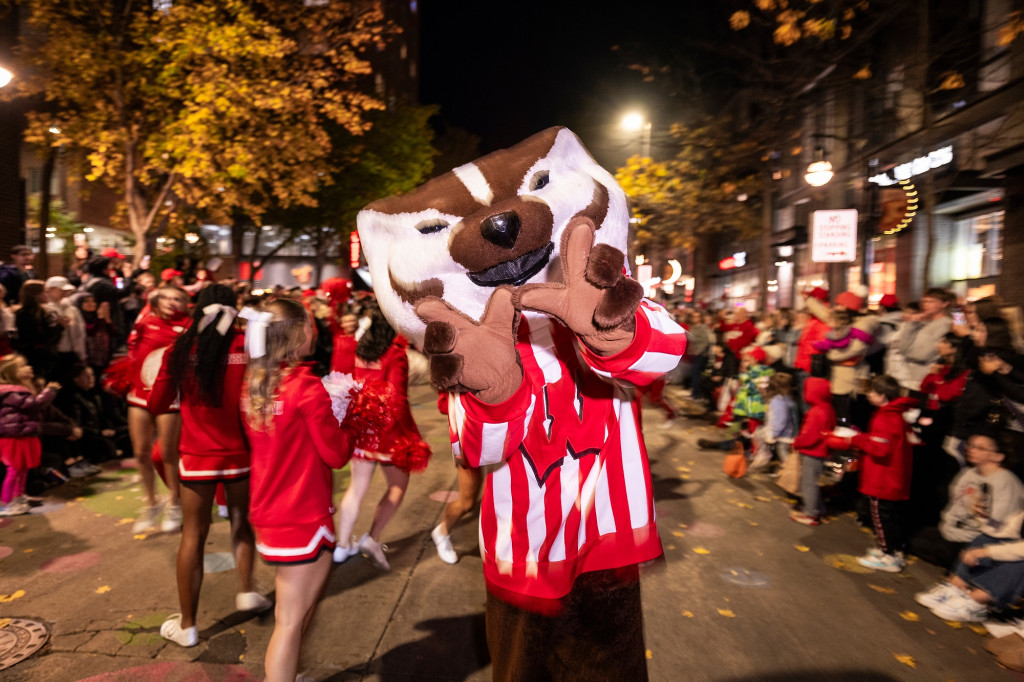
pixel 736 260
pixel 922 164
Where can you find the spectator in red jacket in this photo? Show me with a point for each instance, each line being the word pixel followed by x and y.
pixel 739 332
pixel 814 331
pixel 819 421
pixel 885 472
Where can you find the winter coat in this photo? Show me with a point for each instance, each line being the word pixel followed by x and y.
pixel 885 471
pixel 813 331
pixel 820 418
pixel 749 402
pixel 981 405
pixel 21 410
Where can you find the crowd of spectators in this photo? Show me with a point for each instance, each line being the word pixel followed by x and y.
pixel 919 408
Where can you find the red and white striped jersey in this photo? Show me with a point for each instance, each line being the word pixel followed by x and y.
pixel 569 486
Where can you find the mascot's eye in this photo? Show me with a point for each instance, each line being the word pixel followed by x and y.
pixel 540 179
pixel 431 226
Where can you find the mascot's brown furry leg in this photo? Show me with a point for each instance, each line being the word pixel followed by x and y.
pixel 596 635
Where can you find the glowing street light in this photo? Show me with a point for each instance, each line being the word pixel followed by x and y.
pixel 634 122
pixel 5 76
pixel 819 173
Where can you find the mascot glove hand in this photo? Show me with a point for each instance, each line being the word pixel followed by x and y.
pixel 595 299
pixel 469 357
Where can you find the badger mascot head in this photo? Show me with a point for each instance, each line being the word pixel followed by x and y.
pixel 496 221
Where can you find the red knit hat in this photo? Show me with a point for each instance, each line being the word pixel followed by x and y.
pixel 819 293
pixel 888 301
pixel 756 352
pixel 850 300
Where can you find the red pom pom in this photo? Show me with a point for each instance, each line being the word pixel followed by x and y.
pixel 117 378
pixel 368 414
pixel 410 455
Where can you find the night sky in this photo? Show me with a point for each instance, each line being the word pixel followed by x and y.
pixel 505 70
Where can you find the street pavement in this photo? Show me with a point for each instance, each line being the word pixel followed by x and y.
pixel 743 593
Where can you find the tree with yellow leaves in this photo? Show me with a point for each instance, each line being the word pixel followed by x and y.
pixel 713 183
pixel 206 108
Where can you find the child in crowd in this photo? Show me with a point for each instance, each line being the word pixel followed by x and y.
pixel 984 494
pixel 885 471
pixel 819 421
pixel 296 441
pixel 753 380
pixel 20 416
pixel 781 421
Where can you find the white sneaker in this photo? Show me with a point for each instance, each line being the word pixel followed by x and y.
pixel 962 610
pixel 15 508
pixel 147 520
pixel 999 629
pixel 252 601
pixel 172 630
pixel 222 511
pixel 938 595
pixel 444 546
pixel 374 552
pixel 887 563
pixel 343 553
pixel 172 519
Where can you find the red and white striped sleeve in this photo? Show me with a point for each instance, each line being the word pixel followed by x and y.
pixel 482 433
pixel 657 345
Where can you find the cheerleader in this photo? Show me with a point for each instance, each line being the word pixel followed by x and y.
pixel 381 356
pixel 296 441
pixel 152 336
pixel 204 370
pixel 20 416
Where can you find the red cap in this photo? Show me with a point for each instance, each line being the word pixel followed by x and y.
pixel 167 274
pixel 849 300
pixel 819 293
pixel 111 252
pixel 888 301
pixel 756 352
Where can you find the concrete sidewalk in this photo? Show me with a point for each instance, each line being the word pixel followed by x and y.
pixel 743 592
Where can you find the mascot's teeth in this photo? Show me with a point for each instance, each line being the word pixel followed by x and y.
pixel 516 271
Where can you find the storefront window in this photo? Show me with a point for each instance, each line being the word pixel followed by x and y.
pixel 882 272
pixel 981 247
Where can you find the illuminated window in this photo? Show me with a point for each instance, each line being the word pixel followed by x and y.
pixel 982 239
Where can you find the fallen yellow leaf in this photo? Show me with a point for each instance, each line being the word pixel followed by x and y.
pixel 241 657
pixel 4 622
pixel 744 505
pixel 978 628
pixel 883 590
pixel 679 534
pixel 685 477
pixel 649 654
pixel 906 660
pixel 802 548
pixel 953 624
pixel 140 536
pixel 910 615
pixel 119 497
pixel 687 614
pixel 701 550
pixel 670 547
pixel 4 598
pixel 727 613
pixel 683 525
pixel 103 590
pixel 125 522
pixel 753 523
pixel 690 462
pixel 762 498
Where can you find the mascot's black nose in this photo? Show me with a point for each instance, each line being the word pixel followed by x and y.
pixel 501 229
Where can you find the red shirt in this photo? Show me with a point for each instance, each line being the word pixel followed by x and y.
pixel 739 336
pixel 208 430
pixel 292 458
pixel 148 342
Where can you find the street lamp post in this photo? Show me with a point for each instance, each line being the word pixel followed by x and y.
pixel 634 122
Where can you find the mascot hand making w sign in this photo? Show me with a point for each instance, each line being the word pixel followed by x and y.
pixel 509 273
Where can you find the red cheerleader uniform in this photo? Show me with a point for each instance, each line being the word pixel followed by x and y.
pixel 401 444
pixel 213 445
pixel 149 340
pixel 290 489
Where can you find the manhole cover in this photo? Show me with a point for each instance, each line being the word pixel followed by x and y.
pixel 19 639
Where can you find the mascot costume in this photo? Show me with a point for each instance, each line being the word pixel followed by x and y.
pixel 510 273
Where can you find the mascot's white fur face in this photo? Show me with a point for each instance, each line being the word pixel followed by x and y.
pixel 498 220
